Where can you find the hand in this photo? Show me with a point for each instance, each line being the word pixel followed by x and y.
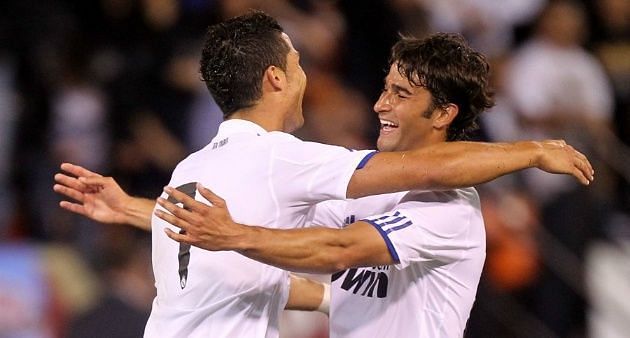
pixel 99 198
pixel 557 157
pixel 205 226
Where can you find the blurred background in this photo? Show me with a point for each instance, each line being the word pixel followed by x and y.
pixel 113 85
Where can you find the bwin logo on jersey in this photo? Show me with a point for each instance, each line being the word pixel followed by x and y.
pixel 364 282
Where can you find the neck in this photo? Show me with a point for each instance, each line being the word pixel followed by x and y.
pixel 432 139
pixel 428 141
pixel 267 119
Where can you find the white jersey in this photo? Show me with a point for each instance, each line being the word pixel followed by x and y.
pixel 267 178
pixel 438 240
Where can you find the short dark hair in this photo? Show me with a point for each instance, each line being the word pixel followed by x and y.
pixel 452 72
pixel 236 54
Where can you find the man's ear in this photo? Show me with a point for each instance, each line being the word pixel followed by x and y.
pixel 445 116
pixel 275 78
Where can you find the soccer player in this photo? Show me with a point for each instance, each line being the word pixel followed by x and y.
pixel 273 179
pixel 410 265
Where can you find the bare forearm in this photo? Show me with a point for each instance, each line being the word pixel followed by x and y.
pixel 447 165
pixel 304 294
pixel 138 212
pixel 314 250
pixel 317 249
pixel 465 164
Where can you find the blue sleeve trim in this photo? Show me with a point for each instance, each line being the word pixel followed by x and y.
pixel 390 246
pixel 365 160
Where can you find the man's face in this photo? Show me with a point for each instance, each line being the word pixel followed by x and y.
pixel 296 79
pixel 400 109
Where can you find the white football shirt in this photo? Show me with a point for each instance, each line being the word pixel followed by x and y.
pixel 438 240
pixel 267 178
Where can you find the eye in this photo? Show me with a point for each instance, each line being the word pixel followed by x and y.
pixel 402 96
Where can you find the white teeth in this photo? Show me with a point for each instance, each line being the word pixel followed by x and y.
pixel 389 124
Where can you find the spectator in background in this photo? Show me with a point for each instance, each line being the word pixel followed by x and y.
pixel 611 43
pixel 488 24
pixel 607 283
pixel 319 31
pixel 123 310
pixel 78 129
pixel 560 90
pixel 41 286
pixel 24 290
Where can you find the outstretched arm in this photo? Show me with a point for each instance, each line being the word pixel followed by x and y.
pixel 449 165
pixel 101 198
pixel 316 250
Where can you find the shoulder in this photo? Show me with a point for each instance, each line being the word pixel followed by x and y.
pixel 289 147
pixel 444 211
pixel 283 140
pixel 282 137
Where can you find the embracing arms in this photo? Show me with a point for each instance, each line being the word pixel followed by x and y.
pixel 103 200
pixel 315 250
pixel 443 166
pixel 449 165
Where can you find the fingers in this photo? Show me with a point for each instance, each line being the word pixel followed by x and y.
pixel 179 217
pixel 80 184
pixel 172 219
pixel 70 182
pixel 586 165
pixel 589 168
pixel 77 170
pixel 188 202
pixel 180 212
pixel 579 175
pixel 210 196
pixel 69 192
pixel 73 207
pixel 583 169
pixel 181 238
pixel 95 180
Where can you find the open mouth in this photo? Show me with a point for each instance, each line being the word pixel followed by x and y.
pixel 387 126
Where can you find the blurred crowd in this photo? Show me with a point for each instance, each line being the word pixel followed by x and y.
pixel 113 85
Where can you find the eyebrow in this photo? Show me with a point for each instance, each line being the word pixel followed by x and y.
pixel 398 88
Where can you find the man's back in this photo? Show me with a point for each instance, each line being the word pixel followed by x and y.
pixel 270 179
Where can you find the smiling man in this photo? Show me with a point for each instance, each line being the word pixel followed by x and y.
pixel 410 265
pixel 276 180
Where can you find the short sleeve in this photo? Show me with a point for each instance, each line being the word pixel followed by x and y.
pixel 309 172
pixel 438 231
pixel 330 214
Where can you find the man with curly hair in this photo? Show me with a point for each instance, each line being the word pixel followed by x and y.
pixel 410 265
pixel 274 179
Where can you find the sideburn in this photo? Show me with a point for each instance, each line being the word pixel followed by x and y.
pixel 430 109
